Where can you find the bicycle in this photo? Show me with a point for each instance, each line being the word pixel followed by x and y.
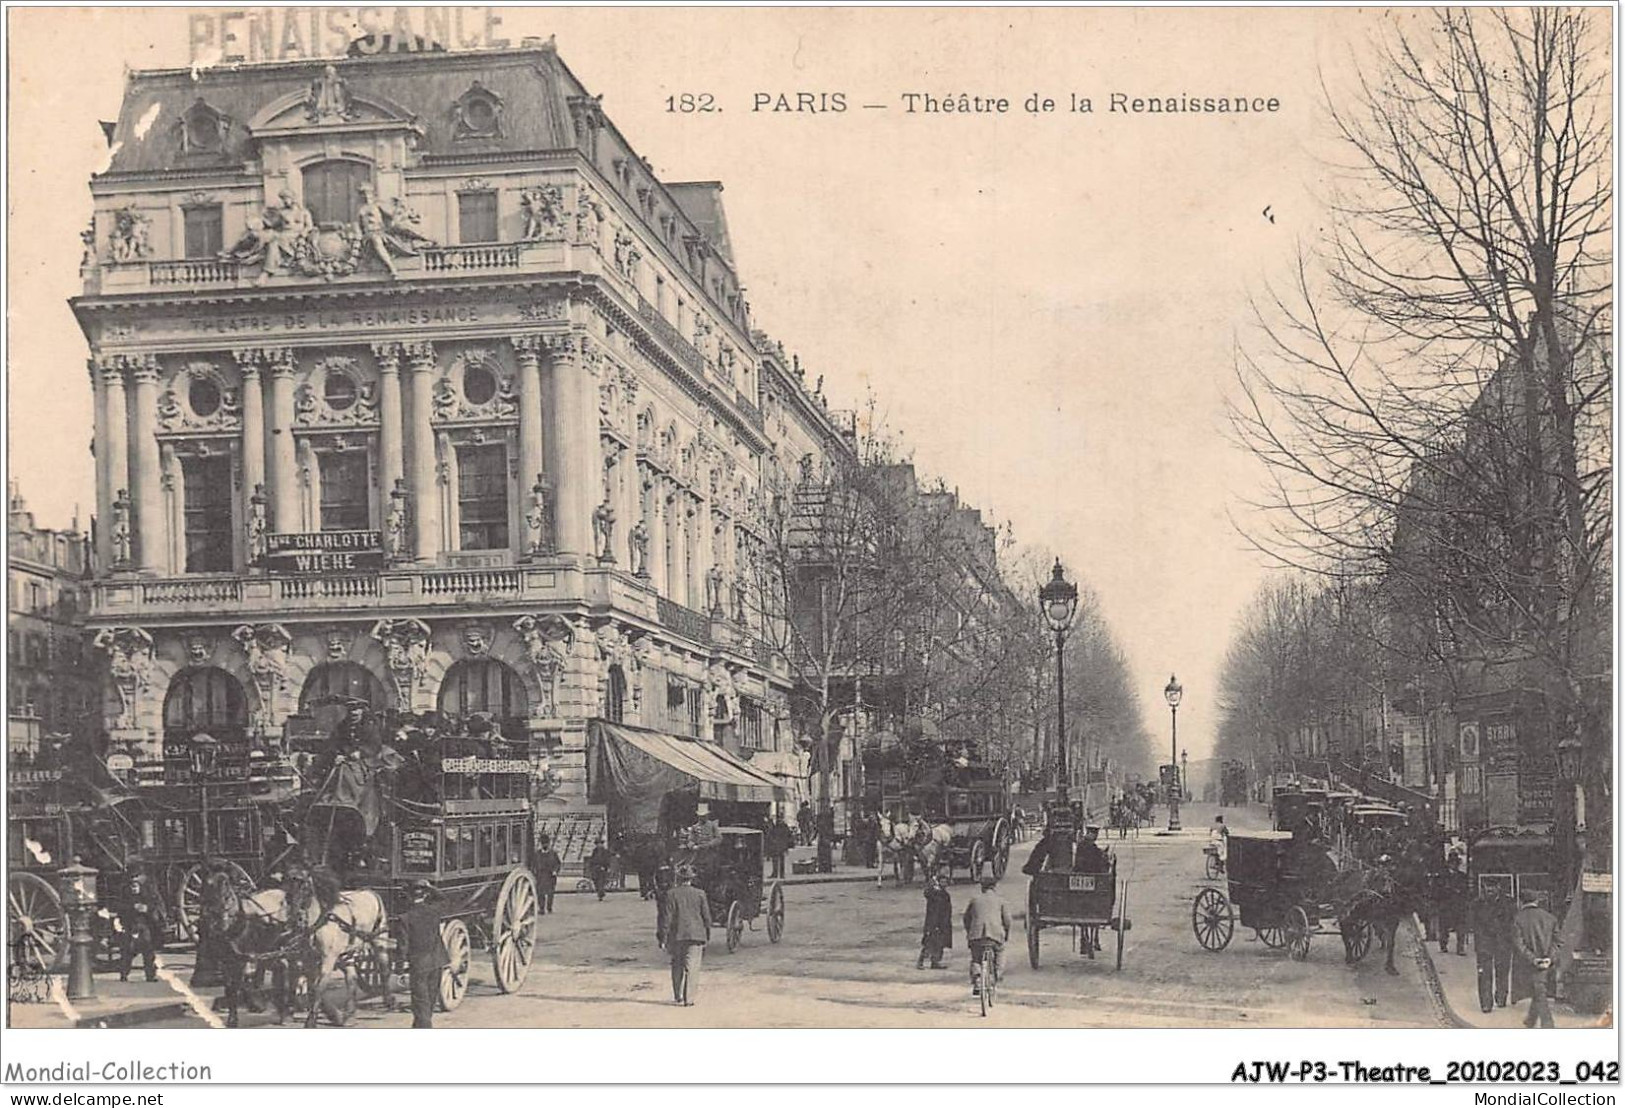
pixel 983 980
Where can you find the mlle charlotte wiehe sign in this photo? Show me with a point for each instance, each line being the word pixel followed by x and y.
pixel 287 34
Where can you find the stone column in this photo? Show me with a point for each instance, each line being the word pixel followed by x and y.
pixel 654 496
pixel 528 353
pixel 146 471
pixel 391 459
pixel 253 421
pixel 284 460
pixel 104 489
pixel 574 459
pixel 422 472
pixel 115 439
pixel 700 548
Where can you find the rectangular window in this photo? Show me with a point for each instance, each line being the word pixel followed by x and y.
pixel 208 514
pixel 345 482
pixel 482 497
pixel 476 217
pixel 750 724
pixel 204 234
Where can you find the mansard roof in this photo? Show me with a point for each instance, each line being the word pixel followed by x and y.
pixel 531 84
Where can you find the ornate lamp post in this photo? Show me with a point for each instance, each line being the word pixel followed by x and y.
pixel 1058 600
pixel 1172 693
pixel 77 884
pixel 204 749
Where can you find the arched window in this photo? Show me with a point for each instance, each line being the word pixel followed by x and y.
pixel 615 695
pixel 205 698
pixel 482 685
pixel 335 681
pixel 333 190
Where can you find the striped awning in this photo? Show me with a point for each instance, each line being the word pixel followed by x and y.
pixel 719 775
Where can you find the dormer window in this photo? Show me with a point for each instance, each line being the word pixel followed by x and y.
pixel 203 130
pixel 477 113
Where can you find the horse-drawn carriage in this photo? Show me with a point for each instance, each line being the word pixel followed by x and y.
pixel 54 817
pixel 947 817
pixel 729 872
pixel 1232 783
pixel 1274 890
pixel 457 814
pixel 1082 901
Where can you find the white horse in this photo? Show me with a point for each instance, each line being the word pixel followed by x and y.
pixel 908 841
pixel 344 927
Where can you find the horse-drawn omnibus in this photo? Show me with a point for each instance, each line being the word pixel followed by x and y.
pixel 455 812
pixel 1233 783
pixel 969 799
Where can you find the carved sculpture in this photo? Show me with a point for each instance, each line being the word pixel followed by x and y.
pixel 640 549
pixel 256 526
pixel 738 587
pixel 719 685
pixel 377 233
pixel 548 641
pixel 198 648
pixel 713 591
pixel 406 652
pixel 120 532
pixel 267 649
pixel 589 220
pixel 603 530
pixel 129 660
pixel 539 542
pixel 395 522
pixel 476 640
pixel 130 229
pixel 328 99
pixel 278 241
pixel 543 209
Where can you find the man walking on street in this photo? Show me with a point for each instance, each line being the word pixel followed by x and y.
pixel 688 929
pixel 425 952
pixel 1534 938
pixel 778 842
pixel 598 866
pixel 1452 887
pixel 987 928
pixel 1490 919
pixel 804 823
pixel 141 914
pixel 548 865
pixel 939 923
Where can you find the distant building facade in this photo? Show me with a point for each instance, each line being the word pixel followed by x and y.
pixel 51 688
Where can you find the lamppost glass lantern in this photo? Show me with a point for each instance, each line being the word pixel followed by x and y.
pixel 1173 691
pixel 1059 600
pixel 78 885
pixel 204 748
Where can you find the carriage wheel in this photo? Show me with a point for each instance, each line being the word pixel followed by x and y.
pixel 513 930
pixel 1001 848
pixel 1272 937
pixel 978 859
pixel 1033 926
pixel 372 969
pixel 1212 867
pixel 460 952
pixel 775 913
pixel 1360 941
pixel 36 927
pixel 1297 933
pixel 189 897
pixel 1212 920
pixel 735 925
pixel 1122 926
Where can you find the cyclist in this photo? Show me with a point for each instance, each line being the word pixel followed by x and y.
pixel 987 929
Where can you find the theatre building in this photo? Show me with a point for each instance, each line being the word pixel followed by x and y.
pixel 414 384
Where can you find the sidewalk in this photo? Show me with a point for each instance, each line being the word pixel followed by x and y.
pixel 116 1004
pixel 1458 981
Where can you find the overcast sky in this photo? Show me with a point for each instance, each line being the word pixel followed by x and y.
pixel 1045 306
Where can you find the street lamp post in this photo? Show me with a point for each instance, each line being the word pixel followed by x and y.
pixel 1058 600
pixel 1172 693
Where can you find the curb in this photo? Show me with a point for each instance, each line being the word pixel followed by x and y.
pixel 129 1017
pixel 1442 1008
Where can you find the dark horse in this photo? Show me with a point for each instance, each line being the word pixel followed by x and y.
pixel 245 934
pixel 1386 899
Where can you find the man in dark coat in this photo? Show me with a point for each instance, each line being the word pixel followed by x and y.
pixel 939 924
pixel 1452 906
pixel 804 823
pixel 1490 918
pixel 1052 853
pixel 777 843
pixel 826 840
pixel 599 863
pixel 1089 858
pixel 548 864
pixel 425 951
pixel 1534 940
pixel 688 929
pixel 140 911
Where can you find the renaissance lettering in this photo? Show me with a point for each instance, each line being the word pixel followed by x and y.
pixel 279 34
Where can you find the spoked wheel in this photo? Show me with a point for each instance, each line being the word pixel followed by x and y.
pixel 460 960
pixel 775 913
pixel 189 897
pixel 984 989
pixel 1001 849
pixel 36 926
pixel 1212 920
pixel 513 930
pixel 1212 867
pixel 372 970
pixel 1297 934
pixel 1122 926
pixel 736 925
pixel 1272 937
pixel 1360 941
pixel 978 859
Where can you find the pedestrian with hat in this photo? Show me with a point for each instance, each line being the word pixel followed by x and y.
pixel 688 929
pixel 599 863
pixel 425 951
pixel 1535 940
pixel 547 863
pixel 987 929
